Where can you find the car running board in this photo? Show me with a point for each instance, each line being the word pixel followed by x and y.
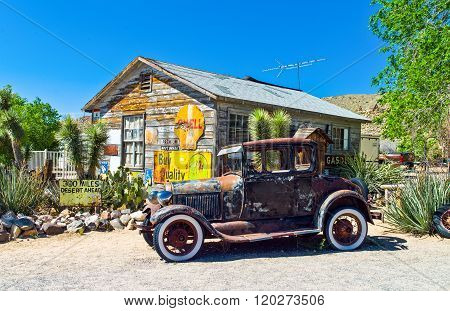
pixel 255 237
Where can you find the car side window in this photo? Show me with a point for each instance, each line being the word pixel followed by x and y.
pixel 276 160
pixel 254 162
pixel 303 156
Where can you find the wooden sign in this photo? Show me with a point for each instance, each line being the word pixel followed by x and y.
pixel 181 165
pixel 111 150
pixel 189 126
pixel 79 192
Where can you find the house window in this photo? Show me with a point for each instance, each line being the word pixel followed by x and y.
pixel 133 141
pixel 238 128
pixel 146 82
pixel 340 138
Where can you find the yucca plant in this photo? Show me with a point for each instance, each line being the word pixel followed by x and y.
pixel 263 125
pixel 20 192
pixel 85 148
pixel 280 124
pixel 71 137
pixel 412 210
pixel 96 141
pixel 372 173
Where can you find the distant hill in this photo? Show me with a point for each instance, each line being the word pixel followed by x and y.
pixel 364 104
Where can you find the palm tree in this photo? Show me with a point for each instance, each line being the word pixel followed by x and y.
pixel 10 127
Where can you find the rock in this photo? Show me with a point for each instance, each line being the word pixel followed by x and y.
pixel 4 236
pixel 76 226
pixel 86 214
pixel 116 224
pixel 29 233
pixel 138 216
pixel 65 213
pixel 131 224
pixel 15 232
pixel 103 225
pixel 124 219
pixel 45 218
pixel 24 223
pixel 115 214
pixel 8 219
pixel 53 229
pixel 92 222
pixel 125 211
pixel 105 215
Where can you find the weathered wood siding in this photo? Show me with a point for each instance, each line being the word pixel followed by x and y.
pixel 160 106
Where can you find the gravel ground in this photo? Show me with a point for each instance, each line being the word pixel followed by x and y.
pixel 123 261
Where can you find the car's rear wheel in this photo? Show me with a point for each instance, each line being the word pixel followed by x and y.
pixel 178 238
pixel 346 229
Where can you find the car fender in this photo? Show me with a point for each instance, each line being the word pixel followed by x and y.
pixel 170 210
pixel 342 195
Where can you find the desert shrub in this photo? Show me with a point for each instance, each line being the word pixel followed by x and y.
pixel 412 210
pixel 373 174
pixel 120 188
pixel 20 192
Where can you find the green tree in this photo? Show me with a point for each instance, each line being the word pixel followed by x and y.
pixel 84 145
pixel 40 123
pixel 25 126
pixel 415 83
pixel 11 131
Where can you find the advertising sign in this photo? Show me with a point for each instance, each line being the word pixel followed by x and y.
pixel 148 176
pixel 181 165
pixel 334 160
pixel 104 167
pixel 189 126
pixel 79 192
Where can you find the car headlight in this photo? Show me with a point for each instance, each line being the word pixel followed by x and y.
pixel 164 197
pixel 153 196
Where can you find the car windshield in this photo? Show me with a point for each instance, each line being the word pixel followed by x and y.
pixel 231 163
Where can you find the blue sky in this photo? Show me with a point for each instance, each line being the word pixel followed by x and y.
pixel 231 37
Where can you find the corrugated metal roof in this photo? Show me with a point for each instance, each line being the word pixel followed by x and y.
pixel 231 87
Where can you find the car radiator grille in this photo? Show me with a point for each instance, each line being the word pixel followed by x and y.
pixel 206 203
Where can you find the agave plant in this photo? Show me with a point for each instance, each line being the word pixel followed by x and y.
pixel 20 191
pixel 413 209
pixel 373 174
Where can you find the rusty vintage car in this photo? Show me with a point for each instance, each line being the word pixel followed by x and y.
pixel 268 189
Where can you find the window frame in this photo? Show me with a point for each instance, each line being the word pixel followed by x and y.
pixel 125 141
pixel 242 114
pixel 342 145
pixel 142 77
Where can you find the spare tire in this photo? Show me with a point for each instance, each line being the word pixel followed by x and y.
pixel 441 221
pixel 362 185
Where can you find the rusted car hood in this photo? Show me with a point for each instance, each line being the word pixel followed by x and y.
pixel 219 184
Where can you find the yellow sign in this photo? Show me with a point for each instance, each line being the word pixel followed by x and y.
pixel 79 192
pixel 181 165
pixel 189 126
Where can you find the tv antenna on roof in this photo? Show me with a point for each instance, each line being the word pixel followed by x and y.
pixel 296 65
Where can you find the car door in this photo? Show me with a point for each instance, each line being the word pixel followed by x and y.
pixel 269 184
pixel 304 165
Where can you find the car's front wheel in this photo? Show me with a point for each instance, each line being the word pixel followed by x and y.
pixel 346 229
pixel 178 238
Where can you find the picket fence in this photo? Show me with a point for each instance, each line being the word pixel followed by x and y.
pixel 63 168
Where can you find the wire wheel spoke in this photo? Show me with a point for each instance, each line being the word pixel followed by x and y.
pixel 347 229
pixel 180 238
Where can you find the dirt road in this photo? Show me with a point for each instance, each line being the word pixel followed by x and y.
pixel 121 260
